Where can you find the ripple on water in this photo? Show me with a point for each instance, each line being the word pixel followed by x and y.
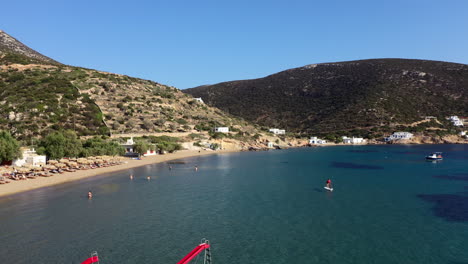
pixel 350 165
pixel 453 177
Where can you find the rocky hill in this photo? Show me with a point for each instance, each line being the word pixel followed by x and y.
pixel 13 51
pixel 369 95
pixel 39 95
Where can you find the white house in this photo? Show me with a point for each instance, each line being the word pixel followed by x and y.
pixel 455 121
pixel 30 157
pixel 277 131
pixel 222 129
pixel 315 140
pixel 129 149
pixel 399 135
pixel 199 100
pixel 353 140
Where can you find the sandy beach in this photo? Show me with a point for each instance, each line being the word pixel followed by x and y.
pixel 30 184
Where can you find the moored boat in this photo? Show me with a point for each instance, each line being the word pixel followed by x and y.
pixel 435 156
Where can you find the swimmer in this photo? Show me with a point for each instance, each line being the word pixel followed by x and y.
pixel 148 178
pixel 131 176
pixel 90 195
pixel 196 168
pixel 170 167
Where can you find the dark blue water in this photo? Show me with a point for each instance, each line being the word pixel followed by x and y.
pixel 389 206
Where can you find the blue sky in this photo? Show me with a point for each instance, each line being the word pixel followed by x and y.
pixel 191 43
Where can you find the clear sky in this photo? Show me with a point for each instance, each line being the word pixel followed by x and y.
pixel 190 43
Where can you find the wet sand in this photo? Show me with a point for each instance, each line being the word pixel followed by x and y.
pixel 39 182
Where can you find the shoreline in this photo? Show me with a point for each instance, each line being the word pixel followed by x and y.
pixel 27 185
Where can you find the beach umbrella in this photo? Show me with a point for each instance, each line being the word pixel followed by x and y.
pixel 82 161
pixel 60 165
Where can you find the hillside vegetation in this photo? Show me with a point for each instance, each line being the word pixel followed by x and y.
pixel 39 96
pixel 373 95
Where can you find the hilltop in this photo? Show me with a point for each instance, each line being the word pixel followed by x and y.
pixel 377 96
pixel 13 51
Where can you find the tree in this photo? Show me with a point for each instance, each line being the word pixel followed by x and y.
pixel 9 147
pixel 61 144
pixel 97 146
pixel 140 147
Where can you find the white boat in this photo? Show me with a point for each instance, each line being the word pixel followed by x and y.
pixel 435 156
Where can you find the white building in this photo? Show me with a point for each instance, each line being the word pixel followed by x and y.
pixel 270 145
pixel 30 157
pixel 399 135
pixel 455 121
pixel 353 140
pixel 130 146
pixel 277 131
pixel 199 100
pixel 317 141
pixel 221 129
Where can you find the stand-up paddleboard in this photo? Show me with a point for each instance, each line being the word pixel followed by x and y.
pixel 328 188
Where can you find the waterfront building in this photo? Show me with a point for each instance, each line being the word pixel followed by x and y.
pixel 130 147
pixel 353 140
pixel 398 136
pixel 317 141
pixel 30 157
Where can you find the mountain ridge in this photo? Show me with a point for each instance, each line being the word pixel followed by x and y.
pixel 329 97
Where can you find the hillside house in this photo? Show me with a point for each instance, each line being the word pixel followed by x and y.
pixel 277 131
pixel 199 100
pixel 399 136
pixel 455 121
pixel 317 141
pixel 130 146
pixel 221 129
pixel 353 140
pixel 30 157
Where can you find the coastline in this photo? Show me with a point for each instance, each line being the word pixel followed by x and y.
pixel 40 182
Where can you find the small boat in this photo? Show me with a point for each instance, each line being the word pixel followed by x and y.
pixel 434 156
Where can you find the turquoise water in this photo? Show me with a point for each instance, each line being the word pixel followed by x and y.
pixel 389 206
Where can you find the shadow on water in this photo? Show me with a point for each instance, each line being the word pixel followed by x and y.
pixel 349 165
pixel 318 190
pixel 453 177
pixel 451 207
pixel 362 151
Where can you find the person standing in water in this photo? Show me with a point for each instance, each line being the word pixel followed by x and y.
pixel 131 176
pixel 90 195
pixel 196 168
pixel 328 183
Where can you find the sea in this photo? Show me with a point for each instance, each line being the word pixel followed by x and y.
pixel 389 205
